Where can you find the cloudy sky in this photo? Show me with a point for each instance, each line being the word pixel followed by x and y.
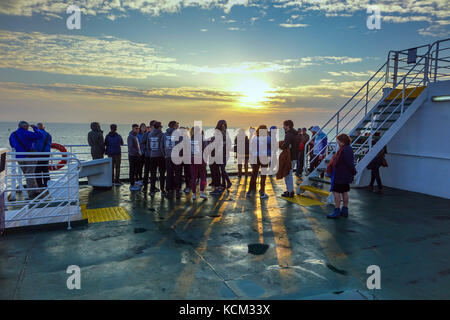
pixel 249 62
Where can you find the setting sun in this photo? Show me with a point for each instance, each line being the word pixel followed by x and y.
pixel 253 92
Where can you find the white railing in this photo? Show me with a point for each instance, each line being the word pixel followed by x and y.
pixel 432 64
pixel 34 195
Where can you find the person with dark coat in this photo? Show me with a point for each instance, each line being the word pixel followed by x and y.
pixel 341 169
pixel 222 179
pixel 291 142
pixel 43 145
pixel 96 141
pixel 155 160
pixel 304 139
pixel 113 144
pixel 241 134
pixel 134 156
pixel 173 170
pixel 374 167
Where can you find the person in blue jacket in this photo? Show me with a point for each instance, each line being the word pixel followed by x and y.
pixel 44 144
pixel 22 141
pixel 113 144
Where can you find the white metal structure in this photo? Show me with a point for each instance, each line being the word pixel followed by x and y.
pixel 382 106
pixel 28 204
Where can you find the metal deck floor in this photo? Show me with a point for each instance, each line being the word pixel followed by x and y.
pixel 179 249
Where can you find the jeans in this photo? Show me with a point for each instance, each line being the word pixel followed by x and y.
pixel 29 168
pixel 300 162
pixel 134 162
pixel 225 179
pixel 289 180
pixel 262 183
pixel 375 175
pixel 215 175
pixel 116 160
pixel 198 171
pixel 42 170
pixel 173 175
pixel 151 165
pixel 186 173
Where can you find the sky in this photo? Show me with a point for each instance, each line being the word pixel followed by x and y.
pixel 248 62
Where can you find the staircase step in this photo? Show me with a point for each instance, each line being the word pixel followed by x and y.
pixel 383 112
pixel 416 92
pixel 379 129
pixel 315 190
pixel 320 180
pixel 378 120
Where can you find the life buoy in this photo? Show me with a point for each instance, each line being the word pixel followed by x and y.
pixel 60 164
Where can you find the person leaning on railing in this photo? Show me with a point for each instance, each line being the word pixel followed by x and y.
pixel 22 141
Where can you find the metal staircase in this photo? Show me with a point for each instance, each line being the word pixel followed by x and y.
pixel 378 110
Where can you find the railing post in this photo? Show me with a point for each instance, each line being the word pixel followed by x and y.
pixel 436 61
pixel 403 95
pixel 427 61
pixel 367 98
pixel 395 68
pixel 386 79
pixel 337 124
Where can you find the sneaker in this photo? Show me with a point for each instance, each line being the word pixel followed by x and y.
pixel 287 194
pixel 157 190
pixel 144 190
pixel 163 194
pixel 117 183
pixel 135 188
pixel 335 214
pixel 152 193
pixel 168 194
pixel 263 196
pixel 187 190
pixel 344 212
pixel 203 195
pixel 139 183
pixel 194 196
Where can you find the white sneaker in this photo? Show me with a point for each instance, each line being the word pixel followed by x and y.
pixel 203 195
pixel 194 196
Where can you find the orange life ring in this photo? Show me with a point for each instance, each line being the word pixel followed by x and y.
pixel 60 164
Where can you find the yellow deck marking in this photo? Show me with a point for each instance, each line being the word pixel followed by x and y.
pixel 315 190
pixel 104 214
pixel 303 201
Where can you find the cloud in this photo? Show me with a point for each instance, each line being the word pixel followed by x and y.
pixel 293 25
pixel 109 7
pixel 113 57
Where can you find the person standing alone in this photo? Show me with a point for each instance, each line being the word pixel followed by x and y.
pixel 96 141
pixel 113 144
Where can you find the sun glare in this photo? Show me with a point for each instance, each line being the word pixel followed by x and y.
pixel 253 92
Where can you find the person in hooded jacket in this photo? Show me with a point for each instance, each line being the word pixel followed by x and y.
pixel 155 160
pixel 96 141
pixel 113 144
pixel 173 170
pixel 43 145
pixel 292 142
pixel 22 141
pixel 139 171
pixel 223 178
pixel 260 158
pixel 134 156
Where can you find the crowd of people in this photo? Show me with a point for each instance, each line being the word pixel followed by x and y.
pixel 153 169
